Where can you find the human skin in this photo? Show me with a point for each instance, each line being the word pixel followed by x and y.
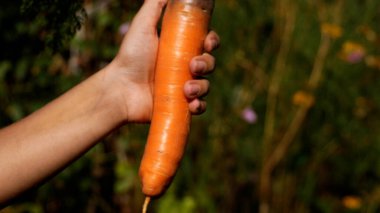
pixel 43 143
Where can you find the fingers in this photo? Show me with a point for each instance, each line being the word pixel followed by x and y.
pixel 200 66
pixel 205 63
pixel 194 90
pixel 197 106
pixel 211 42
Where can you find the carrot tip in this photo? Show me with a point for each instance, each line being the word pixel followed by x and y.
pixel 146 203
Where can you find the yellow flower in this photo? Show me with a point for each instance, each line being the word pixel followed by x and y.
pixel 373 61
pixel 352 202
pixel 331 30
pixel 369 33
pixel 302 98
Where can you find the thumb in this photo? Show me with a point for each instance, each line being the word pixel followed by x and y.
pixel 147 17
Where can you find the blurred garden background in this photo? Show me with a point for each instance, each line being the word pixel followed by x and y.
pixel 293 119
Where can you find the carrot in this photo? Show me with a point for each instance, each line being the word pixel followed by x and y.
pixel 184 28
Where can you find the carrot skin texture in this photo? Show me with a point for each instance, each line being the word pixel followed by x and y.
pixel 184 29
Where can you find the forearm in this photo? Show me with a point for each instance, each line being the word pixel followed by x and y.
pixel 46 141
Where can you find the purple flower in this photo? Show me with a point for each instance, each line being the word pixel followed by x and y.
pixel 249 115
pixel 123 29
pixel 352 52
pixel 355 57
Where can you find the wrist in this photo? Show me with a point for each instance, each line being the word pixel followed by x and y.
pixel 127 91
pixel 109 96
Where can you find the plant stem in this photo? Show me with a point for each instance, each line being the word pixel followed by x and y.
pixel 272 159
pixel 279 70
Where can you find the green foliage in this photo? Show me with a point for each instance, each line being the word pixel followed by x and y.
pixel 331 163
pixel 59 20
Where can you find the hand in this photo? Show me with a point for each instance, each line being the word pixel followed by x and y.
pixel 133 67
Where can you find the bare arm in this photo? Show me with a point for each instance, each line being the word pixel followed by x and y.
pixel 36 147
pixel 43 143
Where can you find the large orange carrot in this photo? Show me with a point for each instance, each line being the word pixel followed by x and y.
pixel 184 28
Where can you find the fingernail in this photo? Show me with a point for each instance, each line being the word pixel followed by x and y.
pixel 199 109
pixel 214 44
pixel 201 66
pixel 195 90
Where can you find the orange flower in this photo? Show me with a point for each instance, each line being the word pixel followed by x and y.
pixel 302 98
pixel 331 30
pixel 373 61
pixel 352 202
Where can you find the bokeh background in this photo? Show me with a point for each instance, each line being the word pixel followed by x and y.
pixel 293 114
